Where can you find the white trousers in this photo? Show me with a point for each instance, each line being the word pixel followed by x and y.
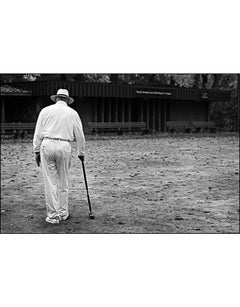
pixel 55 162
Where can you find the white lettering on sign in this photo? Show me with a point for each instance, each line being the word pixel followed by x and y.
pixel 154 93
pixel 205 95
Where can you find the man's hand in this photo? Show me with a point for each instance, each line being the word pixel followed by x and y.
pixel 81 158
pixel 37 158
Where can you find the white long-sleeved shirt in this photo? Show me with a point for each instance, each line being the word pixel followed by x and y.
pixel 59 121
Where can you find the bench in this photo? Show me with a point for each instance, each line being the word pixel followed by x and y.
pixel 119 127
pixel 191 126
pixel 201 126
pixel 17 129
pixel 179 126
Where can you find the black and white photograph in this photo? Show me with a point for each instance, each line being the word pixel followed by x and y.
pixel 119 153
pixel 143 153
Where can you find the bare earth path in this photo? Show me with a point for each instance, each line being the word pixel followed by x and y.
pixel 163 184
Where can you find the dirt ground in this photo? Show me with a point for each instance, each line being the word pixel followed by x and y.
pixel 137 184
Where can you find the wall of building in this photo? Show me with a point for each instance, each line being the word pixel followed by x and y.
pixel 188 111
pixel 84 107
pixel 19 109
pixel 154 111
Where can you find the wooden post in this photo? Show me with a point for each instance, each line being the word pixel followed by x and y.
pixel 129 110
pixel 148 114
pixel 38 107
pixel 208 111
pixel 102 111
pixel 95 110
pixel 123 110
pixel 164 115
pixel 116 110
pixel 159 116
pixel 153 115
pixel 3 110
pixel 141 111
pixel 110 110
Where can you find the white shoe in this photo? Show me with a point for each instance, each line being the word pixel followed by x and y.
pixel 64 218
pixel 52 220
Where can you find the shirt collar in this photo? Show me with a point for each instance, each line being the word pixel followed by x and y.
pixel 61 102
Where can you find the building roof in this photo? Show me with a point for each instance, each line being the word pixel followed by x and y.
pixel 7 90
pixel 89 89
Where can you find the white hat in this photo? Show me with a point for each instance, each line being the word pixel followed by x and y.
pixel 62 93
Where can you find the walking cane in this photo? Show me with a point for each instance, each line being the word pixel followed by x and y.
pixel 91 215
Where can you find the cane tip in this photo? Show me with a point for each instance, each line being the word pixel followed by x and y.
pixel 91 216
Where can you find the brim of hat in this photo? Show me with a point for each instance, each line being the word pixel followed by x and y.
pixel 53 98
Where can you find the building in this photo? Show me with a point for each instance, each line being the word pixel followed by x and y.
pixel 112 103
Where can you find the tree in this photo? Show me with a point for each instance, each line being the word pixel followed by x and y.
pixel 225 114
pixel 216 79
pixel 183 80
pixel 196 80
pixel 5 78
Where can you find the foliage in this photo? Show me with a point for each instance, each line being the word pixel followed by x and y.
pixel 225 114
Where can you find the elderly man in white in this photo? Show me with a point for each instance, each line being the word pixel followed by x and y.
pixel 57 125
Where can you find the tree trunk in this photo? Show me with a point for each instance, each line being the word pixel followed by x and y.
pixel 204 80
pixel 196 81
pixel 152 79
pixel 172 81
pixel 114 78
pixel 215 85
pixel 217 78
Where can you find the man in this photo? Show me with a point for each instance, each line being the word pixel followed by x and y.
pixel 57 125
